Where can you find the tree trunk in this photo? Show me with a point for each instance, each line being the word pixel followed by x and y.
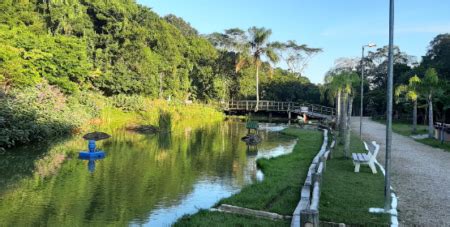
pixel 430 117
pixel 257 87
pixel 348 128
pixel 343 123
pixel 338 110
pixel 415 117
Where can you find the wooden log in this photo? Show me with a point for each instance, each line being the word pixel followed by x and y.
pixel 316 178
pixel 323 160
pixel 309 218
pixel 305 193
pixel 315 198
pixel 250 212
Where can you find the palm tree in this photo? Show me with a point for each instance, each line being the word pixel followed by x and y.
pixel 333 89
pixel 258 40
pixel 411 92
pixel 341 86
pixel 428 87
pixel 249 48
pixel 350 81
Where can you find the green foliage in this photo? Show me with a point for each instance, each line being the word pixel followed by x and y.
pixel 29 57
pixel 118 47
pixel 185 28
pixel 438 55
pixel 129 102
pixel 37 114
pixel 288 87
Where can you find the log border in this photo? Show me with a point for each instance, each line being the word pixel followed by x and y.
pixel 307 211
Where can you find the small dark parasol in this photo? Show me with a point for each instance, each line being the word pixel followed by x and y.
pixel 96 136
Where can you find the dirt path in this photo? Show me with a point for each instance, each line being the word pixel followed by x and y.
pixel 420 176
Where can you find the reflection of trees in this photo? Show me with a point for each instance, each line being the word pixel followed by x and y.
pixel 135 176
pixel 138 174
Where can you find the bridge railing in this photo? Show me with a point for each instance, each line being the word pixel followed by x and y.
pixel 267 105
pixel 263 105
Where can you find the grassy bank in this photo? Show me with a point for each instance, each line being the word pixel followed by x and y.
pixel 347 196
pixel 435 143
pixel 406 130
pixel 41 113
pixel 278 192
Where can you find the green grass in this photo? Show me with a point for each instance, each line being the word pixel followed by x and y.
pixel 435 143
pixel 406 130
pixel 207 218
pixel 347 196
pixel 279 192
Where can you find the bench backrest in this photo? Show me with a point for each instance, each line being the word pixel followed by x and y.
pixel 366 146
pixel 372 150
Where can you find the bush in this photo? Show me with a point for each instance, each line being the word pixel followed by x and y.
pixel 36 114
pixel 128 102
pixel 92 101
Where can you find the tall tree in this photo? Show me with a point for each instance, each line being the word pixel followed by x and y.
pixel 377 64
pixel 429 87
pixel 411 92
pixel 438 55
pixel 332 90
pixel 295 56
pixel 342 84
pixel 260 47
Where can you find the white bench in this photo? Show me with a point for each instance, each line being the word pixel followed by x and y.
pixel 366 159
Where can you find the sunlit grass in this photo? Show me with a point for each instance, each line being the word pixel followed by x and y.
pixel 207 218
pixel 347 196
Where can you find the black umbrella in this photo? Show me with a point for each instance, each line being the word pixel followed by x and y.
pixel 96 136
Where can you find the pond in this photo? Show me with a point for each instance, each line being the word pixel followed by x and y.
pixel 144 180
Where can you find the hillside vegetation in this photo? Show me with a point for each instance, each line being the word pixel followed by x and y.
pixel 61 61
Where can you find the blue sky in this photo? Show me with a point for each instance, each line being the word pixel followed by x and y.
pixel 340 27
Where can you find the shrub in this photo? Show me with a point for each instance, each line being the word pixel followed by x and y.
pixel 129 102
pixel 37 113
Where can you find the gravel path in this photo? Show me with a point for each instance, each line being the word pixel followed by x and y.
pixel 420 176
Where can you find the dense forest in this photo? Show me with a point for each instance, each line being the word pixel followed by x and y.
pixel 63 61
pixel 120 47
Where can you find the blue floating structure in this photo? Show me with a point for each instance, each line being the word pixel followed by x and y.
pixel 92 153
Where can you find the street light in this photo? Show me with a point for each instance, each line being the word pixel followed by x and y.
pixel 390 81
pixel 362 86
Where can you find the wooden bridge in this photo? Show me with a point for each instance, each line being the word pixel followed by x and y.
pixel 311 110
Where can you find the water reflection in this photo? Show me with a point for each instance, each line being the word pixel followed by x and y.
pixel 145 180
pixel 91 162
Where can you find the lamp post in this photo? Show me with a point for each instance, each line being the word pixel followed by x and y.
pixel 390 80
pixel 362 86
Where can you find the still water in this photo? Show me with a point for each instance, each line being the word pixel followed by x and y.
pixel 149 180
